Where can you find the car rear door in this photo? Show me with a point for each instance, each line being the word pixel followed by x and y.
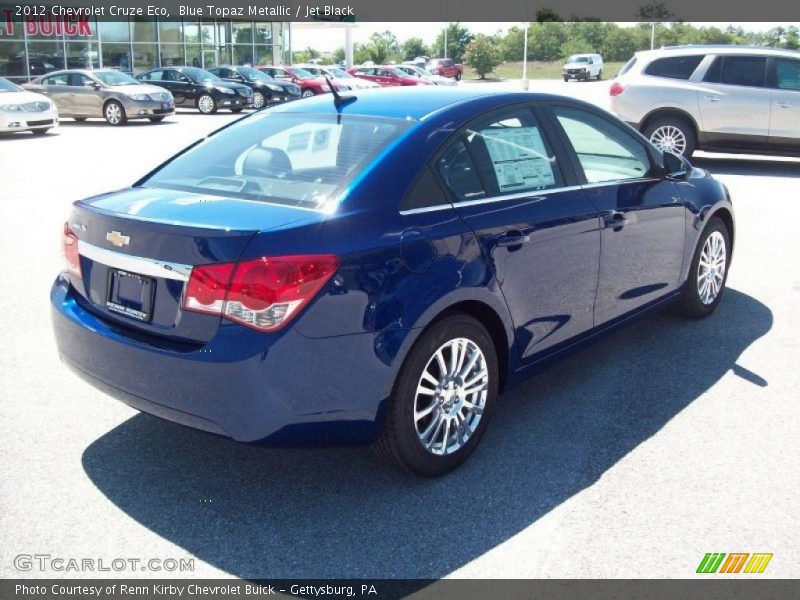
pixel 734 100
pixel 642 214
pixel 784 123
pixel 536 228
pixel 55 88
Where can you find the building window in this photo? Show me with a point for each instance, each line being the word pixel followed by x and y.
pixel 144 30
pixel 242 33
pixel 243 55
pixel 117 56
pixel 83 55
pixel 191 33
pixel 12 60
pixel 44 57
pixel 114 31
pixel 172 55
pixel 193 55
pixel 145 56
pixel 169 32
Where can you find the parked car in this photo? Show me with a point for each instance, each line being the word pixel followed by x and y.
pixel 103 94
pixel 583 66
pixel 422 73
pixel 716 98
pixel 197 88
pixel 343 80
pixel 378 271
pixel 386 76
pixel 446 67
pixel 309 84
pixel 266 89
pixel 21 110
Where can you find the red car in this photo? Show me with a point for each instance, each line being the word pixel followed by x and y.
pixel 386 76
pixel 446 67
pixel 310 84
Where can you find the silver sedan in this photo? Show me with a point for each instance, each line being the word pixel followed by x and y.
pixel 103 93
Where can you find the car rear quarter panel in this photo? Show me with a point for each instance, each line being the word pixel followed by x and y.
pixel 647 95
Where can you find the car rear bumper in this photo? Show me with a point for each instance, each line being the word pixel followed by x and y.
pixel 280 388
pixel 27 121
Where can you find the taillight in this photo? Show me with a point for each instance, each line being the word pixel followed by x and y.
pixel 264 293
pixel 69 248
pixel 616 88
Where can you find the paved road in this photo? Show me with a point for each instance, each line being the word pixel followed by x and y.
pixel 634 458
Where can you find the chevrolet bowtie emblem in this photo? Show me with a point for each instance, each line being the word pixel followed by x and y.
pixel 116 238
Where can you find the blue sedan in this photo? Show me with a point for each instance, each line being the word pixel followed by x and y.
pixel 377 269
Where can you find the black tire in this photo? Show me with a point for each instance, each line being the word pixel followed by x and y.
pixel 458 76
pixel 238 109
pixel 39 131
pixel 156 119
pixel 690 304
pixel 600 75
pixel 114 113
pixel 212 106
pixel 566 79
pixel 399 443
pixel 680 123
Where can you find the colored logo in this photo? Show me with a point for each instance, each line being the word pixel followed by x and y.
pixel 736 562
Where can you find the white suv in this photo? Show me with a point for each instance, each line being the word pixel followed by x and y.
pixel 718 98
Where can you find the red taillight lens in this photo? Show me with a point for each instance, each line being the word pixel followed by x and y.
pixel 616 88
pixel 264 293
pixel 69 247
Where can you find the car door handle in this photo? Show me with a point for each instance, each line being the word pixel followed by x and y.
pixel 784 104
pixel 512 238
pixel 712 98
pixel 615 219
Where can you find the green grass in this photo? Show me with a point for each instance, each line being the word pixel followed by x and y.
pixel 537 70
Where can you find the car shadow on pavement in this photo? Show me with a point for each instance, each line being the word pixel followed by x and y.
pixel 748 166
pixel 260 512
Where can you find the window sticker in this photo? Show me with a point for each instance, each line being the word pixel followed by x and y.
pixel 519 158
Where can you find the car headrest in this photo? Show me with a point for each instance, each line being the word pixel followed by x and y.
pixel 266 161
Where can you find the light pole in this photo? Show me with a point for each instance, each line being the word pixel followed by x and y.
pixel 525 57
pixel 446 25
pixel 653 35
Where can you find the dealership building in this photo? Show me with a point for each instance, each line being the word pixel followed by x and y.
pixel 32 46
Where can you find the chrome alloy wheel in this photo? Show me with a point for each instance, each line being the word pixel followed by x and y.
pixel 205 104
pixel 451 396
pixel 307 94
pixel 258 100
pixel 114 113
pixel 669 138
pixel 711 268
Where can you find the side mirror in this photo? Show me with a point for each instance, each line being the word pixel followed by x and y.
pixel 675 166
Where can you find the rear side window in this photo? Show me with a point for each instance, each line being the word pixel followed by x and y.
pixel 60 79
pixel 425 192
pixel 674 67
pixel 747 71
pixel 606 152
pixel 459 174
pixel 788 73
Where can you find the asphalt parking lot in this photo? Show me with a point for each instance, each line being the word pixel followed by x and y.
pixel 633 458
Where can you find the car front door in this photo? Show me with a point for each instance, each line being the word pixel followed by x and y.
pixel 642 214
pixel 85 97
pixel 784 122
pixel 734 102
pixel 535 226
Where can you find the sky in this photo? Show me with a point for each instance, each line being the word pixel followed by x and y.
pixel 328 40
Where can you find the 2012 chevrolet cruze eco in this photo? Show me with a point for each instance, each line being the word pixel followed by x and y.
pixel 377 270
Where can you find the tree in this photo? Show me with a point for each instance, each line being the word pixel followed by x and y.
pixel 457 39
pixel 381 46
pixel 483 55
pixel 545 40
pixel 414 47
pixel 513 44
pixel 338 55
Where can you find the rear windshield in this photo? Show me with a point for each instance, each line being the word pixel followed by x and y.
pixel 293 159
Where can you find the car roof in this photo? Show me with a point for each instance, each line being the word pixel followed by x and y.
pixel 692 49
pixel 409 103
